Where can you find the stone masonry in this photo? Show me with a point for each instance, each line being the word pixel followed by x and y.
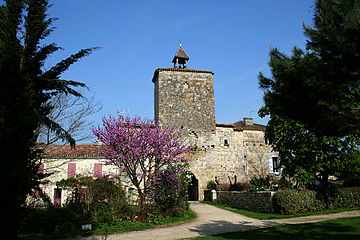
pixel 185 97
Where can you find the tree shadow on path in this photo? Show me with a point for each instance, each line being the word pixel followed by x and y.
pixel 321 230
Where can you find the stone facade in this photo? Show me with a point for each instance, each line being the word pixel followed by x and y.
pixel 185 97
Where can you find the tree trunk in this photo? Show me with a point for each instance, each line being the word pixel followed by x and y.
pixel 325 189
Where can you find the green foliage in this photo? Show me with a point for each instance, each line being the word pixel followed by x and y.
pixel 26 87
pixel 313 98
pixel 268 216
pixel 169 194
pixel 307 156
pixel 211 185
pixel 347 197
pixel 320 87
pixel 282 183
pixel 294 201
pixel 260 184
pixel 67 219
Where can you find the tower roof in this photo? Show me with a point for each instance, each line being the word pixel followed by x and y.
pixel 180 57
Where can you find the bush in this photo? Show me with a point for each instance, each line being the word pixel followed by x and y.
pixel 211 185
pixel 169 193
pixel 260 184
pixel 294 201
pixel 347 197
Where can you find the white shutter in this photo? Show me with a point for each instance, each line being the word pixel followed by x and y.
pixel 271 167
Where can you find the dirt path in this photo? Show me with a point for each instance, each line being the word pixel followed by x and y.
pixel 212 220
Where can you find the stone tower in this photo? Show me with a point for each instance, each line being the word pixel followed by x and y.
pixel 185 97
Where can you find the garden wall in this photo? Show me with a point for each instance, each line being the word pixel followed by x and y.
pixel 254 201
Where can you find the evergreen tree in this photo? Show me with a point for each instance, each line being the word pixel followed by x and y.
pixel 309 157
pixel 25 89
pixel 321 87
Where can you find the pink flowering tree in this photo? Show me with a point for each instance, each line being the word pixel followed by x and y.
pixel 144 150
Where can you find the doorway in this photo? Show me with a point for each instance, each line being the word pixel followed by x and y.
pixel 193 189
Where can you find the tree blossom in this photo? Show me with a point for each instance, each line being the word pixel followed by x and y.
pixel 143 150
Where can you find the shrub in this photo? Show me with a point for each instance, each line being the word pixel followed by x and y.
pixel 169 193
pixel 347 197
pixel 294 201
pixel 211 185
pixel 282 183
pixel 260 184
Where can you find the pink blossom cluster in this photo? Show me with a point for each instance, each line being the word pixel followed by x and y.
pixel 143 149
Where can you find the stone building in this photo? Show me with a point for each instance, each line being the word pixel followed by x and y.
pixel 185 97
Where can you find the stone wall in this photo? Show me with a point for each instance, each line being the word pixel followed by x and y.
pixel 254 201
pixel 225 159
pixel 185 97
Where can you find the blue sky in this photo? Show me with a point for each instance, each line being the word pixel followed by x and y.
pixel 231 38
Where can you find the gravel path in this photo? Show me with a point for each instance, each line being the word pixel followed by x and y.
pixel 212 220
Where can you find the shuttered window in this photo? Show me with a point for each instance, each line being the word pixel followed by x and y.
pixel 71 170
pixel 97 169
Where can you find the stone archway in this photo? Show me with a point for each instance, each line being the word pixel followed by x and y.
pixel 193 189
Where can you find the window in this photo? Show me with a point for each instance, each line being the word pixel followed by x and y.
pixel 274 165
pixel 71 170
pixel 57 196
pixel 226 142
pixel 245 164
pixel 97 169
pixel 186 85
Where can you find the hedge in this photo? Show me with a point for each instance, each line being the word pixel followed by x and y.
pixel 295 201
pixel 347 197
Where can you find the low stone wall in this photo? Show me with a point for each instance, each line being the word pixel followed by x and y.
pixel 254 201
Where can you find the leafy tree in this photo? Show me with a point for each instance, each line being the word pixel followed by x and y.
pixel 148 153
pixel 320 87
pixel 309 157
pixel 25 89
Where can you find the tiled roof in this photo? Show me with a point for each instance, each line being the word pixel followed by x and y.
pixel 230 125
pixel 91 150
pixel 156 73
pixel 240 125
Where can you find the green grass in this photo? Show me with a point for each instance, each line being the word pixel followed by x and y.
pixel 268 216
pixel 338 229
pixel 117 227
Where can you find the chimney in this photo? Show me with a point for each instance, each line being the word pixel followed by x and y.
pixel 248 121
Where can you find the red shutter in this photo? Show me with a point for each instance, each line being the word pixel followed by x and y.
pixel 71 170
pixel 41 169
pixel 97 169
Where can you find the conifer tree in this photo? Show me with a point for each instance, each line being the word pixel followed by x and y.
pixel 321 87
pixel 25 88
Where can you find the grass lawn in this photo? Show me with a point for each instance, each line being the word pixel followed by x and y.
pixel 268 216
pixel 115 227
pixel 338 229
